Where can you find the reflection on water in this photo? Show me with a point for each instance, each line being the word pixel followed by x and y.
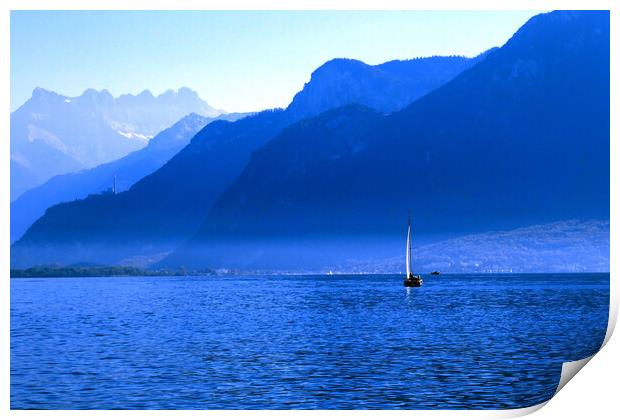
pixel 466 341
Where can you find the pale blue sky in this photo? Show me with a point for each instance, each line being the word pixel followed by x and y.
pixel 237 61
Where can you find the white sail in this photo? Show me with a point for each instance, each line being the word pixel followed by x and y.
pixel 409 249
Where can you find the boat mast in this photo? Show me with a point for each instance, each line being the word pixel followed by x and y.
pixel 409 247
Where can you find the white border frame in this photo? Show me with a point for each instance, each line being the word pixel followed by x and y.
pixel 573 405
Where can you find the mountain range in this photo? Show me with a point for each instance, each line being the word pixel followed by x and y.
pixel 386 87
pixel 520 138
pixel 166 207
pixel 53 134
pixel 123 172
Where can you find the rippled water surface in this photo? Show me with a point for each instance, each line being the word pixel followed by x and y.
pixel 460 341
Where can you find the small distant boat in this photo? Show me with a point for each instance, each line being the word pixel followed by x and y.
pixel 435 273
pixel 411 280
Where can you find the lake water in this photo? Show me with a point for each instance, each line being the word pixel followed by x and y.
pixel 346 342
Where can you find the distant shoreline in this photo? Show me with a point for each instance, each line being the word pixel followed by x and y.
pixel 128 271
pixel 101 271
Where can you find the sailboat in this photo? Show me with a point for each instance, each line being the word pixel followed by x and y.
pixel 411 280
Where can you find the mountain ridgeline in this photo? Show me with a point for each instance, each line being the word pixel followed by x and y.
pixel 52 134
pixel 520 138
pixel 166 208
pixel 124 172
pixel 385 87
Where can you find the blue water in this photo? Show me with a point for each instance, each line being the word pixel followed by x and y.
pixel 460 341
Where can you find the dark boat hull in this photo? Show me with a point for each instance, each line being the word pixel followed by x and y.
pixel 414 281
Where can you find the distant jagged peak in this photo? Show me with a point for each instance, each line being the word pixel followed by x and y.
pixel 169 106
pixel 182 92
pixel 45 97
pixel 169 94
pixel 39 92
pixel 96 96
pixel 42 99
pixel 146 94
pixel 95 92
pixel 183 96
